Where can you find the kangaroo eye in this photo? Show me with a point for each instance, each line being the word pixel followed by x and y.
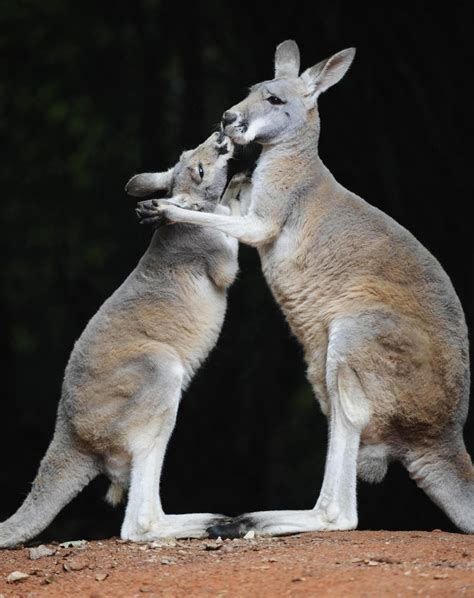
pixel 275 100
pixel 201 170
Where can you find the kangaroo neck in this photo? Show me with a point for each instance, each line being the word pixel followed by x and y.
pixel 289 165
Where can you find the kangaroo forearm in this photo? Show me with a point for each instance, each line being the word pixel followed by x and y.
pixel 249 229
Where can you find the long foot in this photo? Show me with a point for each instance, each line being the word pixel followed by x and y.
pixel 191 525
pixel 277 523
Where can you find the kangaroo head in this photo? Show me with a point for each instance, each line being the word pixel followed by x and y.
pixel 201 173
pixel 280 109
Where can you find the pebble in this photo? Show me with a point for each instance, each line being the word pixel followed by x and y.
pixel 73 544
pixel 162 544
pixel 250 535
pixel 213 545
pixel 17 576
pixel 77 565
pixel 40 552
pixel 167 562
pixel 101 576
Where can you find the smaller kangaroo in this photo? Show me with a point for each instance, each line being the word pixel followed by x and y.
pixel 126 373
pixel 381 326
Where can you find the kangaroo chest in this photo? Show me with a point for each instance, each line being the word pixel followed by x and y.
pixel 296 286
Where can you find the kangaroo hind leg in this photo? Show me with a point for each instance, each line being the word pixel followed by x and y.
pixel 148 429
pixel 336 507
pixel 148 426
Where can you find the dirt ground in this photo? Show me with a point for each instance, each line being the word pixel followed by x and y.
pixel 314 564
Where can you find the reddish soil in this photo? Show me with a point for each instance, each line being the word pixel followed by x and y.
pixel 313 564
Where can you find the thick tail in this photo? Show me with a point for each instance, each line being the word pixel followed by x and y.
pixel 63 473
pixel 448 479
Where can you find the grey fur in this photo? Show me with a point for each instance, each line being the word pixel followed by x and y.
pixel 382 328
pixel 126 373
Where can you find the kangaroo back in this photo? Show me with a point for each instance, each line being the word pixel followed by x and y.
pixel 63 473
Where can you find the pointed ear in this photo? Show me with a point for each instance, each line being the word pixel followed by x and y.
pixel 143 184
pixel 326 73
pixel 287 59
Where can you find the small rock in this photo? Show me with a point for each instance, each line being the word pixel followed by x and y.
pixel 250 535
pixel 39 552
pixel 73 544
pixel 78 565
pixel 156 544
pixel 357 560
pixel 440 576
pixel 212 546
pixel 372 563
pixel 167 562
pixel 101 576
pixel 46 581
pixel 162 544
pixel 17 576
pixel 143 547
pixel 298 579
pixel 146 590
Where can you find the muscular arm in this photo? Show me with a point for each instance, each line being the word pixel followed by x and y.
pixel 250 229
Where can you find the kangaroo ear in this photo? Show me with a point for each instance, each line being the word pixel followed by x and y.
pixel 287 59
pixel 326 73
pixel 143 184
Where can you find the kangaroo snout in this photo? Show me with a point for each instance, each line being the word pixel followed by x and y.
pixel 228 118
pixel 235 125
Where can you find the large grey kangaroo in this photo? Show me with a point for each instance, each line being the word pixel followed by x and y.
pixel 383 331
pixel 127 371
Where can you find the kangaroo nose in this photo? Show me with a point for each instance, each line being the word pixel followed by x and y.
pixel 228 118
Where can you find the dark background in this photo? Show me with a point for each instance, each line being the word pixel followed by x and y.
pixel 93 92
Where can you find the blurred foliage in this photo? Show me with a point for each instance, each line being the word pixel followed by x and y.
pixel 93 92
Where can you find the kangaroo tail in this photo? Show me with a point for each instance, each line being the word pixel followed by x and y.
pixel 64 471
pixel 448 479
